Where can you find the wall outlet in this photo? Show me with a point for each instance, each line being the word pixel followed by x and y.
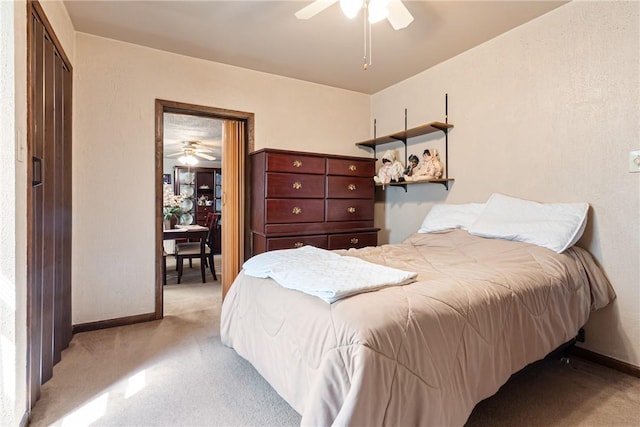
pixel 634 161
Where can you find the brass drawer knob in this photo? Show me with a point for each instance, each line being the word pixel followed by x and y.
pixel 351 210
pixel 353 168
pixel 297 163
pixel 297 185
pixel 297 210
pixel 298 244
pixel 354 241
pixel 351 187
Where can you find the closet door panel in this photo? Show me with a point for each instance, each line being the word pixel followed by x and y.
pixel 48 209
pixel 66 328
pixel 37 197
pixel 62 310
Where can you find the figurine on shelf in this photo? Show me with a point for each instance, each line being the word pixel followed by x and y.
pixel 390 171
pixel 413 163
pixel 430 168
pixel 202 200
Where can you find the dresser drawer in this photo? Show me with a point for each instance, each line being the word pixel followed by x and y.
pixel 274 243
pixel 353 240
pixel 292 210
pixel 201 218
pixel 347 187
pixel 349 210
pixel 282 185
pixel 351 167
pixel 279 162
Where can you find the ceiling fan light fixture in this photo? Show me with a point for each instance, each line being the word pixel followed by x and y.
pixel 374 11
pixel 188 159
pixel 378 10
pixel 350 8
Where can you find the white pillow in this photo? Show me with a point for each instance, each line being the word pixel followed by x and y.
pixel 556 226
pixel 445 217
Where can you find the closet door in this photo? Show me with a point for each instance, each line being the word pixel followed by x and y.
pixel 49 265
pixel 36 262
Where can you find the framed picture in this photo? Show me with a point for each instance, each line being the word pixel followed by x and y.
pixel 166 178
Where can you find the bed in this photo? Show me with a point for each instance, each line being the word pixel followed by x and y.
pixel 423 353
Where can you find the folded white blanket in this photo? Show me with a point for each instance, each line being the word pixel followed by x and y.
pixel 323 273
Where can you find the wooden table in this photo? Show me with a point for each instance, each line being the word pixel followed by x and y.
pixel 192 232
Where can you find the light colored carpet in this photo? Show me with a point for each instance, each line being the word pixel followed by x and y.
pixel 553 393
pixel 176 372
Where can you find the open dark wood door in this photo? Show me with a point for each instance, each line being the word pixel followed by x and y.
pixel 49 214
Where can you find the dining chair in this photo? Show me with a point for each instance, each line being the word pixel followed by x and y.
pixel 184 246
pixel 191 250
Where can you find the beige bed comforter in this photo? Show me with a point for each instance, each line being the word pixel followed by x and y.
pixel 418 354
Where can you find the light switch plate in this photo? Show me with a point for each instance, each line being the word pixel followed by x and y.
pixel 634 161
pixel 20 149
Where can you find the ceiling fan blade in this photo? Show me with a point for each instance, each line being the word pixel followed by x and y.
pixel 314 8
pixel 204 156
pixel 173 154
pixel 207 143
pixel 399 16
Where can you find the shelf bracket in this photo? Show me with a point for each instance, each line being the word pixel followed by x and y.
pixel 404 141
pixel 394 184
pixel 446 140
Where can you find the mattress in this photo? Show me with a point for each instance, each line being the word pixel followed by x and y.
pixel 424 353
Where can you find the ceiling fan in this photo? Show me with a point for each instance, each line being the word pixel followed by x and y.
pixel 394 10
pixel 189 150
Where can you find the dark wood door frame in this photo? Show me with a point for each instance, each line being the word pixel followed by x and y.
pixel 165 106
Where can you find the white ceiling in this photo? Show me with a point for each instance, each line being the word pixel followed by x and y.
pixel 327 49
pixel 204 132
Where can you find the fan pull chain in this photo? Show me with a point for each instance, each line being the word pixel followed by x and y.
pixel 367 37
pixel 364 67
pixel 370 41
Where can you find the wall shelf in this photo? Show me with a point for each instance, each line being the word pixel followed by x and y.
pixel 443 181
pixel 404 136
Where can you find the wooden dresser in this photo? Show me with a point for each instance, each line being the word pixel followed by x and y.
pixel 311 199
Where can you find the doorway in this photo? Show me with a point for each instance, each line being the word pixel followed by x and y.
pixel 237 142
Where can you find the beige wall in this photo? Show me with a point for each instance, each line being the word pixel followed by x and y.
pixel 115 85
pixel 547 111
pixel 12 280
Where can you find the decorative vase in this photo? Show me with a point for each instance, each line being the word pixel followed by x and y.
pixel 169 224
